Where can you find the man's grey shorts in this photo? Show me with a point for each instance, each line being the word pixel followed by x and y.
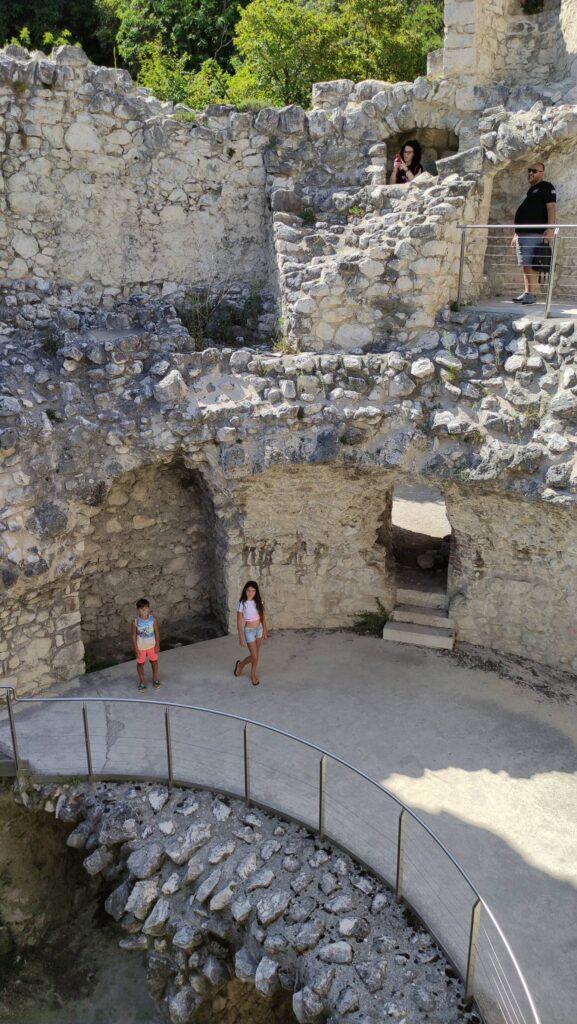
pixel 526 246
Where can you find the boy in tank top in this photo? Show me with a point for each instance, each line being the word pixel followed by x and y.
pixel 145 642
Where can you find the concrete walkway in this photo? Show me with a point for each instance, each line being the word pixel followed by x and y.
pixel 490 765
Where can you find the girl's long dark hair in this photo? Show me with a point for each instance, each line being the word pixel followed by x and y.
pixel 257 597
pixel 416 161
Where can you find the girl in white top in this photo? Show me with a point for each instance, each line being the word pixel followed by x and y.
pixel 251 625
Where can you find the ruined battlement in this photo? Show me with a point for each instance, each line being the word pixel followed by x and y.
pixel 136 452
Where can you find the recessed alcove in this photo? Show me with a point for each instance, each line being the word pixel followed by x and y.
pixel 155 536
pixel 436 144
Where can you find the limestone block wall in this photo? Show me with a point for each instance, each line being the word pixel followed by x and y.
pixel 40 636
pixel 513 579
pixel 318 540
pixel 495 40
pixel 151 538
pixel 568 23
pixel 101 189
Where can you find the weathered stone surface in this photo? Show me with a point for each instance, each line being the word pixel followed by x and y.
pixel 309 935
pixel 270 908
pixel 141 898
pixel 336 953
pixel 196 936
pixel 180 849
pixel 245 965
pixel 145 862
pixel 266 977
pixel 156 920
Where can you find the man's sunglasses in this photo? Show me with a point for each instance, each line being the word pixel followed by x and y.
pixel 533 170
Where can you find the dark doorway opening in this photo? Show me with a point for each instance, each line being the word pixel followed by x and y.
pixel 421 537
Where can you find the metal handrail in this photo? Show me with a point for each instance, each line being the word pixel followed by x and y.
pixel 555 228
pixel 12 698
pixel 495 225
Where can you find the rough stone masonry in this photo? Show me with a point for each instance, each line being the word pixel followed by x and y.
pixel 210 892
pixel 126 443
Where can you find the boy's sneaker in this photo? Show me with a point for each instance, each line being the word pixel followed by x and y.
pixel 521 297
pixel 528 299
pixel 142 686
pixel 156 684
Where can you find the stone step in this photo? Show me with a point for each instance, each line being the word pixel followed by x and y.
pixel 421 636
pixel 424 598
pixel 422 616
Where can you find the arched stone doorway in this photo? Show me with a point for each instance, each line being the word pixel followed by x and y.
pixel 155 536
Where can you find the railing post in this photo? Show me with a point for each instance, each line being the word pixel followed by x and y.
pixel 168 745
pixel 322 785
pixel 461 265
pixel 400 855
pixel 9 700
pixel 87 741
pixel 246 768
pixel 551 282
pixel 472 954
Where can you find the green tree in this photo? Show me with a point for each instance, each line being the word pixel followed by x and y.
pixel 286 45
pixel 201 29
pixel 81 18
pixel 387 39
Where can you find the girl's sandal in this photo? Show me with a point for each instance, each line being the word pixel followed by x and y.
pixel 235 672
pixel 255 682
pixel 142 686
pixel 156 684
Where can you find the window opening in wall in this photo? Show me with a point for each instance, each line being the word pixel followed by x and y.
pixel 421 537
pixel 436 144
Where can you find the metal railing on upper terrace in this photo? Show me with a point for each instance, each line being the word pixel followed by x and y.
pixel 488 266
pixel 180 744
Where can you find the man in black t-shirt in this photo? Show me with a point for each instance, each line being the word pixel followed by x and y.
pixel 538 207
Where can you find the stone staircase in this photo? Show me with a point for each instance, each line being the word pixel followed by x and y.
pixel 420 617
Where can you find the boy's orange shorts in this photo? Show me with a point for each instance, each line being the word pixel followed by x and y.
pixel 143 655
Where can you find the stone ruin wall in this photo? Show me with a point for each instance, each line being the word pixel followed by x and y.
pixel 319 561
pixel 104 194
pixel 294 461
pixel 124 404
pixel 239 916
pixel 494 40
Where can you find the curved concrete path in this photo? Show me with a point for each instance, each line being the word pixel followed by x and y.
pixel 491 765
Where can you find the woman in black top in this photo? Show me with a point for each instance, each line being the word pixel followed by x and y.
pixel 407 164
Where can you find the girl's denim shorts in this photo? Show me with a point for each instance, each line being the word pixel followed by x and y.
pixel 252 633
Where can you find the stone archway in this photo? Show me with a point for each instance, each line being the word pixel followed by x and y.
pixel 436 144
pixel 155 537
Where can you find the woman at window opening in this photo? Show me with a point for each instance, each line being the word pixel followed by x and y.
pixel 407 164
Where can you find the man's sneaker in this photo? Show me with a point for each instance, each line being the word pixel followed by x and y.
pixel 521 297
pixel 528 299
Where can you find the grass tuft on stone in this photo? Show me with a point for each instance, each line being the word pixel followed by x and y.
pixel 371 622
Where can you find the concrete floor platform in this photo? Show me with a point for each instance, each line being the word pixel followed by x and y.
pixel 488 763
pixel 566 309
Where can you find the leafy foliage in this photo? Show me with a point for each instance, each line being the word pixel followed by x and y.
pixel 247 53
pixel 196 29
pixel 51 22
pixel 372 623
